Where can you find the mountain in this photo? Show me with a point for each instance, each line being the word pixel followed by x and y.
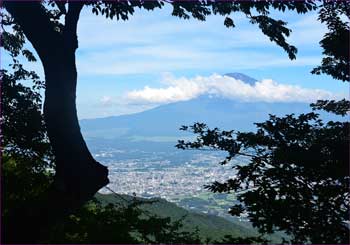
pixel 242 77
pixel 163 122
pixel 210 226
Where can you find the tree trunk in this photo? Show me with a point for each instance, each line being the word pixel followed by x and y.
pixel 78 176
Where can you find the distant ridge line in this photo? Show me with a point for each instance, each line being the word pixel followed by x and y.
pixel 243 77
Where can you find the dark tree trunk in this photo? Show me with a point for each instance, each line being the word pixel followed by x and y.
pixel 77 173
pixel 78 176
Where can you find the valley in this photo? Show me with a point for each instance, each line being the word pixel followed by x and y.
pixel 172 175
pixel 139 149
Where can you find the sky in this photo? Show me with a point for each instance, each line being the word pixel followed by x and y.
pixel 154 58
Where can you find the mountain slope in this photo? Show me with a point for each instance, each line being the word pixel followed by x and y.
pixel 242 77
pixel 165 120
pixel 210 226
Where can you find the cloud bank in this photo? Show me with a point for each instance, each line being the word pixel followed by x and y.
pixel 180 89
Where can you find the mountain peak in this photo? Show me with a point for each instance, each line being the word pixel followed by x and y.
pixel 242 77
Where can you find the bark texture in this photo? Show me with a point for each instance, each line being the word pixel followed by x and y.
pixel 78 176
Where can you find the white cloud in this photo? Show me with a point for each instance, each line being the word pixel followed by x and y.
pixel 179 89
pixel 106 100
pixel 157 42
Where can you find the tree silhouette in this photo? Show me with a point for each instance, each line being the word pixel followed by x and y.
pixel 27 164
pixel 77 174
pixel 296 172
pixel 26 152
pixel 296 175
pixel 335 43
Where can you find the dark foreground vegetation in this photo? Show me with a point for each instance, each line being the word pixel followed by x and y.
pixel 297 180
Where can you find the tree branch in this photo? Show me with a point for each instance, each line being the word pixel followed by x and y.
pixel 61 7
pixel 216 149
pixel 71 23
pixel 35 22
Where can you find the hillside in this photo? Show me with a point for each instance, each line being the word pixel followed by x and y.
pixel 209 225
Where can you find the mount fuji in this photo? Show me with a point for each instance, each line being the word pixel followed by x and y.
pixel 163 122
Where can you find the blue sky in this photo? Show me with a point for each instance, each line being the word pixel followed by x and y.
pixel 154 58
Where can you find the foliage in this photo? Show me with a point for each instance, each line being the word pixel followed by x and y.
pixel 243 240
pixel 340 107
pixel 27 156
pixel 26 153
pixel 335 43
pixel 297 178
pixel 27 168
pixel 119 223
pixel 256 12
pixel 21 118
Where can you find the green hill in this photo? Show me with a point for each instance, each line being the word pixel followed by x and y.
pixel 209 226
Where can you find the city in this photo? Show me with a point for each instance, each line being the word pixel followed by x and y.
pixel 162 175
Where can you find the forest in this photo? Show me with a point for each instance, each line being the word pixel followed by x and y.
pixel 293 189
